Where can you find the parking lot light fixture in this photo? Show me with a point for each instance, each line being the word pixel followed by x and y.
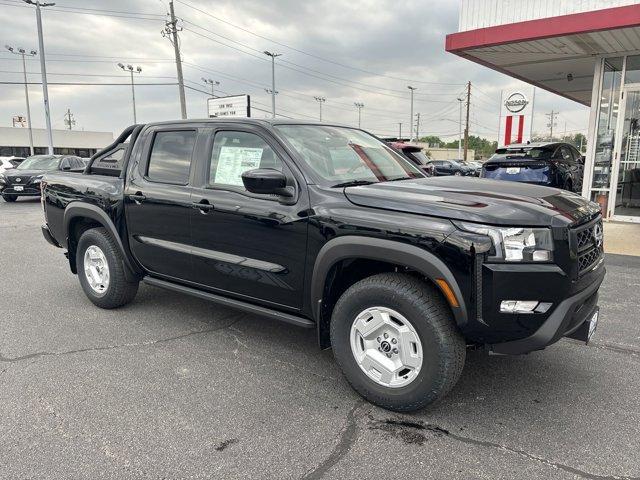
pixel 23 53
pixel 359 106
pixel 132 70
pixel 212 83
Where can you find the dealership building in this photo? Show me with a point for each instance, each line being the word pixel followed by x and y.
pixel 585 50
pixel 14 141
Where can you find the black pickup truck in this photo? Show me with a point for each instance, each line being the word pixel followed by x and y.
pixel 326 227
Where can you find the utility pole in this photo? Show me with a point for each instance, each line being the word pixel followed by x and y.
pixel 552 123
pixel 170 31
pixel 466 129
pixel 320 101
pixel 22 52
pixel 400 131
pixel 417 126
pixel 69 121
pixel 460 102
pixel 359 106
pixel 43 69
pixel 411 89
pixel 131 70
pixel 212 83
pixel 273 80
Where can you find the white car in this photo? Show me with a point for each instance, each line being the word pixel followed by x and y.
pixel 5 163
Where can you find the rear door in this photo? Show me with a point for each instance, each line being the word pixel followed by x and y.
pixel 158 200
pixel 248 245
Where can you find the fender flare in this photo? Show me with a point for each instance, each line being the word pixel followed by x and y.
pixel 352 246
pixel 88 210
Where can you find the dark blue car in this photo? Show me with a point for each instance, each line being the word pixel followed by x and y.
pixel 552 164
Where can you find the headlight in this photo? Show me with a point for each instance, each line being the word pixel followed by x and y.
pixel 515 244
pixel 3 179
pixel 37 179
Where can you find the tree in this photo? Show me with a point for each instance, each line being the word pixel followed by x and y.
pixel 432 140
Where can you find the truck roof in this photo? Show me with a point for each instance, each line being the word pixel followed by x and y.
pixel 253 121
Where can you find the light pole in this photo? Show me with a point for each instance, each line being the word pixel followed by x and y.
pixel 320 101
pixel 273 80
pixel 43 68
pixel 460 102
pixel 131 70
pixel 411 89
pixel 22 52
pixel 399 131
pixel 359 106
pixel 211 82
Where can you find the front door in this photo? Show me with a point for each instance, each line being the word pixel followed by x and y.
pixel 247 245
pixel 158 202
pixel 625 204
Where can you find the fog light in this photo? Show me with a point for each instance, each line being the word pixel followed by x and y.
pixel 541 256
pixel 518 306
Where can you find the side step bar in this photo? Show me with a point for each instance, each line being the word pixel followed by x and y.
pixel 230 302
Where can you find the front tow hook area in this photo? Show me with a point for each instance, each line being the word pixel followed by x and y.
pixel 584 333
pixel 46 233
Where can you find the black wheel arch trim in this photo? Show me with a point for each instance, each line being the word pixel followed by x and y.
pixel 93 212
pixel 353 246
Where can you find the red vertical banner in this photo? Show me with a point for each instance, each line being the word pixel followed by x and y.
pixel 520 128
pixel 507 129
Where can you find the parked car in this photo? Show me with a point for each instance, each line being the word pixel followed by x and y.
pixel 451 167
pixel 475 166
pixel 24 180
pixel 552 164
pixel 417 157
pixel 327 227
pixel 5 164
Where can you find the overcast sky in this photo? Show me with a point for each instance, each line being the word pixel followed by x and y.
pixel 377 47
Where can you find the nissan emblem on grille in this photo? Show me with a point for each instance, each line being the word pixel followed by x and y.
pixel 18 180
pixel 598 235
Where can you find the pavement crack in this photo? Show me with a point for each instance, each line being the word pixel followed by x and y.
pixel 414 432
pixel 347 438
pixel 614 347
pixel 113 347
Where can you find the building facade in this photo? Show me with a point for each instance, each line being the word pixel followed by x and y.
pixel 584 50
pixel 15 142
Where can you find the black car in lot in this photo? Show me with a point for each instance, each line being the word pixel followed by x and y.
pixel 552 164
pixel 24 180
pixel 451 167
pixel 326 227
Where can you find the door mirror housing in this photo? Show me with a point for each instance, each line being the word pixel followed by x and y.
pixel 266 181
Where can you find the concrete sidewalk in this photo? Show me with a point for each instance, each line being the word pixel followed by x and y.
pixel 622 238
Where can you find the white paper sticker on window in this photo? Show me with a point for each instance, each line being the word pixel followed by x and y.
pixel 233 161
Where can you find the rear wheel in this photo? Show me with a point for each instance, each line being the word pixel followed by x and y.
pixel 395 339
pixel 101 270
pixel 9 198
pixel 458 173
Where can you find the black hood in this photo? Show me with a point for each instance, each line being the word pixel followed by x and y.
pixel 477 200
pixel 14 172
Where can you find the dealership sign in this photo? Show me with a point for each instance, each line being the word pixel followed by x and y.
pixel 233 106
pixel 516 116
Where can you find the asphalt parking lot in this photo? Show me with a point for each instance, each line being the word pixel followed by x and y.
pixel 175 387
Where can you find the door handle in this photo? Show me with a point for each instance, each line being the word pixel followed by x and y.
pixel 138 197
pixel 203 205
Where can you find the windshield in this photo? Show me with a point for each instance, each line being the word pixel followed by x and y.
pixel 537 153
pixel 422 158
pixel 340 155
pixel 455 163
pixel 39 162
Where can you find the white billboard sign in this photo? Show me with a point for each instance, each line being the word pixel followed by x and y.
pixel 233 106
pixel 516 116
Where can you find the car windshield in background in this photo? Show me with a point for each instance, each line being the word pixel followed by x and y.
pixel 422 158
pixel 39 162
pixel 533 153
pixel 340 155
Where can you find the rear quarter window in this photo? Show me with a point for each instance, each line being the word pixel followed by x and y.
pixel 170 157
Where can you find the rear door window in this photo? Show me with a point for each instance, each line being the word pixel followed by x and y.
pixel 170 158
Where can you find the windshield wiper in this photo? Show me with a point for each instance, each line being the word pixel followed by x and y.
pixel 353 183
pixel 398 179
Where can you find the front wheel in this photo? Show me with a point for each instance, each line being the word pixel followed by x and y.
pixel 458 173
pixel 101 270
pixel 9 198
pixel 395 340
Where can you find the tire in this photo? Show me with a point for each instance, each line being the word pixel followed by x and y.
pixel 443 348
pixel 458 173
pixel 9 198
pixel 116 291
pixel 568 185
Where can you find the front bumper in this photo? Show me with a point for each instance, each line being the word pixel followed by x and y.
pixel 567 319
pixel 28 190
pixel 46 233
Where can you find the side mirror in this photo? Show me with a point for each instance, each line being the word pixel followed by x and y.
pixel 65 167
pixel 266 181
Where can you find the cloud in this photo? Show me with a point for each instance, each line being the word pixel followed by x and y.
pixel 380 42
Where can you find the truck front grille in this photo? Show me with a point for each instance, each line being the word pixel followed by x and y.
pixel 587 243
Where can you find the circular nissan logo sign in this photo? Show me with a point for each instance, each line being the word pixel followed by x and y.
pixel 516 102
